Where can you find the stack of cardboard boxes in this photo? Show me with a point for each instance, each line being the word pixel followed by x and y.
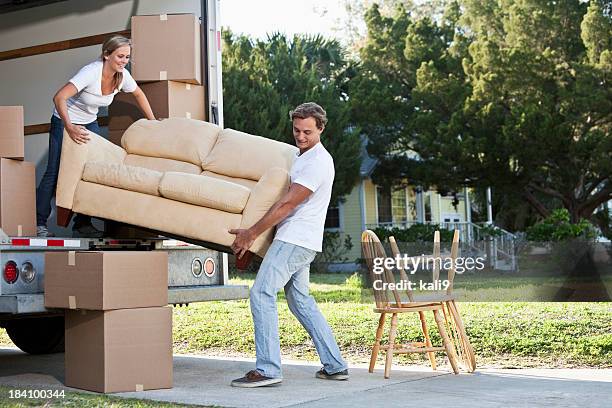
pixel 118 325
pixel 166 61
pixel 17 177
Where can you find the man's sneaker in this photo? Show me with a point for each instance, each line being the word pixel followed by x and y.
pixel 341 375
pixel 86 231
pixel 43 232
pixel 254 379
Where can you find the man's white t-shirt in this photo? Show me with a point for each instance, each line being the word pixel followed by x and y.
pixel 314 169
pixel 83 107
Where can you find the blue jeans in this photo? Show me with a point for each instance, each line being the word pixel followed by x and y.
pixel 46 188
pixel 288 265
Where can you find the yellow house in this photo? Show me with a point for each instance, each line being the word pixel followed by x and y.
pixel 369 206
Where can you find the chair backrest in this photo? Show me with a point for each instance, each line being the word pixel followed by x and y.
pixel 395 250
pixel 437 261
pixel 375 255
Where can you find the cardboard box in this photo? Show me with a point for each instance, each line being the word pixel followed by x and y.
pixel 119 350
pixel 115 136
pixel 11 132
pixel 167 99
pixel 166 47
pixel 104 280
pixel 17 198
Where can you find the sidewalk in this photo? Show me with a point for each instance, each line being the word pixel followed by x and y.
pixel 204 380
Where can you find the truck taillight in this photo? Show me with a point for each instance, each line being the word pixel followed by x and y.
pixel 11 273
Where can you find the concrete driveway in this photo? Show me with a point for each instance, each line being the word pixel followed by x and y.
pixel 205 380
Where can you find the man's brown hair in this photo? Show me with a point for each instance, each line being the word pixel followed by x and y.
pixel 310 110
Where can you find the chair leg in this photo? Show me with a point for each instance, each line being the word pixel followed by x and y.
pixel 431 354
pixel 376 347
pixel 392 334
pixel 450 350
pixel 468 350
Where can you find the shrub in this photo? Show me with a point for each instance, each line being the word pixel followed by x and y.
pixel 420 233
pixel 557 227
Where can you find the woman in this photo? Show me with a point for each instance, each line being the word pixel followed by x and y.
pixel 76 109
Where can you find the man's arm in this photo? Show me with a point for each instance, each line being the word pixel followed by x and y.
pixel 279 211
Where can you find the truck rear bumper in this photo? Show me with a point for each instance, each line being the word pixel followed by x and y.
pixel 35 303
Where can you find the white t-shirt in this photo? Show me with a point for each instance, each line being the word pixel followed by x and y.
pixel 83 107
pixel 314 169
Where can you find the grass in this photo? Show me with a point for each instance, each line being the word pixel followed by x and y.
pixel 504 334
pixel 80 400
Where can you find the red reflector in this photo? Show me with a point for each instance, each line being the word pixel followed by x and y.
pixel 10 272
pixel 20 241
pixel 55 242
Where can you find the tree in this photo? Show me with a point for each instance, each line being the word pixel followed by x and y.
pixel 512 94
pixel 264 79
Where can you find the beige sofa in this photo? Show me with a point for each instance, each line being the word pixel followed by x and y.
pixel 185 178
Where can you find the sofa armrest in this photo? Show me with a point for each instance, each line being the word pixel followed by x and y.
pixel 268 190
pixel 73 159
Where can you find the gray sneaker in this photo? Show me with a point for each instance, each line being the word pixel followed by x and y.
pixel 43 232
pixel 324 375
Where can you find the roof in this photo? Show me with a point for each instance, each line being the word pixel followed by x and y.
pixel 368 163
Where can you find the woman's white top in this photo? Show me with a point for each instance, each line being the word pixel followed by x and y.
pixel 83 107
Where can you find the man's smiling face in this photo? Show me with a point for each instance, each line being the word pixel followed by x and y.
pixel 306 133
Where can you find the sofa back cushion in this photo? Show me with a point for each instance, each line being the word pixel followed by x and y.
pixel 243 182
pixel 179 139
pixel 160 164
pixel 241 155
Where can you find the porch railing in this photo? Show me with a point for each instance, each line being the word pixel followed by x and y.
pixel 498 248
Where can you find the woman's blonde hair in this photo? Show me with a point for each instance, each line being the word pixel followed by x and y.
pixel 109 46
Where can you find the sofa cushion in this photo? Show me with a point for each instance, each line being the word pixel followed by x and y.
pixel 121 176
pixel 204 191
pixel 254 154
pixel 181 139
pixel 243 182
pixel 160 164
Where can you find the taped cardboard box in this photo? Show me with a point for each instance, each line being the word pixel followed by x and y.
pixel 119 350
pixel 11 132
pixel 166 47
pixel 167 99
pixel 98 280
pixel 17 198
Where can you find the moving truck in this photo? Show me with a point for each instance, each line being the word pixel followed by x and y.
pixel 42 44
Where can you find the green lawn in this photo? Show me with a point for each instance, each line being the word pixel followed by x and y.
pixel 80 400
pixel 504 334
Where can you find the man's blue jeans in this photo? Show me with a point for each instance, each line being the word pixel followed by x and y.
pixel 46 188
pixel 288 266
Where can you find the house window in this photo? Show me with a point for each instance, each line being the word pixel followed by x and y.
pixel 383 198
pixel 391 205
pixel 332 219
pixel 427 207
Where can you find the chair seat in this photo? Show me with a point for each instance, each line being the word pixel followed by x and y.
pixel 116 175
pixel 204 191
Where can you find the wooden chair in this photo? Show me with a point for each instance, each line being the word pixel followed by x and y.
pixel 454 324
pixel 389 301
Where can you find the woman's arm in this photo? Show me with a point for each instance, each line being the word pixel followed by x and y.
pixel 143 103
pixel 77 133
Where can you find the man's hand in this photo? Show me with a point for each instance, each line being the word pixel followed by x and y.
pixel 242 243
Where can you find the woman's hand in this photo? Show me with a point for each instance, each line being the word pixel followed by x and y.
pixel 78 133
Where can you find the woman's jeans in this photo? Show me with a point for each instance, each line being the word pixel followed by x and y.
pixel 288 266
pixel 46 189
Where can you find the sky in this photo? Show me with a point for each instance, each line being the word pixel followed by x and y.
pixel 257 18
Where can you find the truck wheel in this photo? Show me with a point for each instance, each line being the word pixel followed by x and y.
pixel 40 335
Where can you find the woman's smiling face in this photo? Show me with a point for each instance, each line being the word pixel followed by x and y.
pixel 119 58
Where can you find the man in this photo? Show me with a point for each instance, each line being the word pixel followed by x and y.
pixel 300 216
